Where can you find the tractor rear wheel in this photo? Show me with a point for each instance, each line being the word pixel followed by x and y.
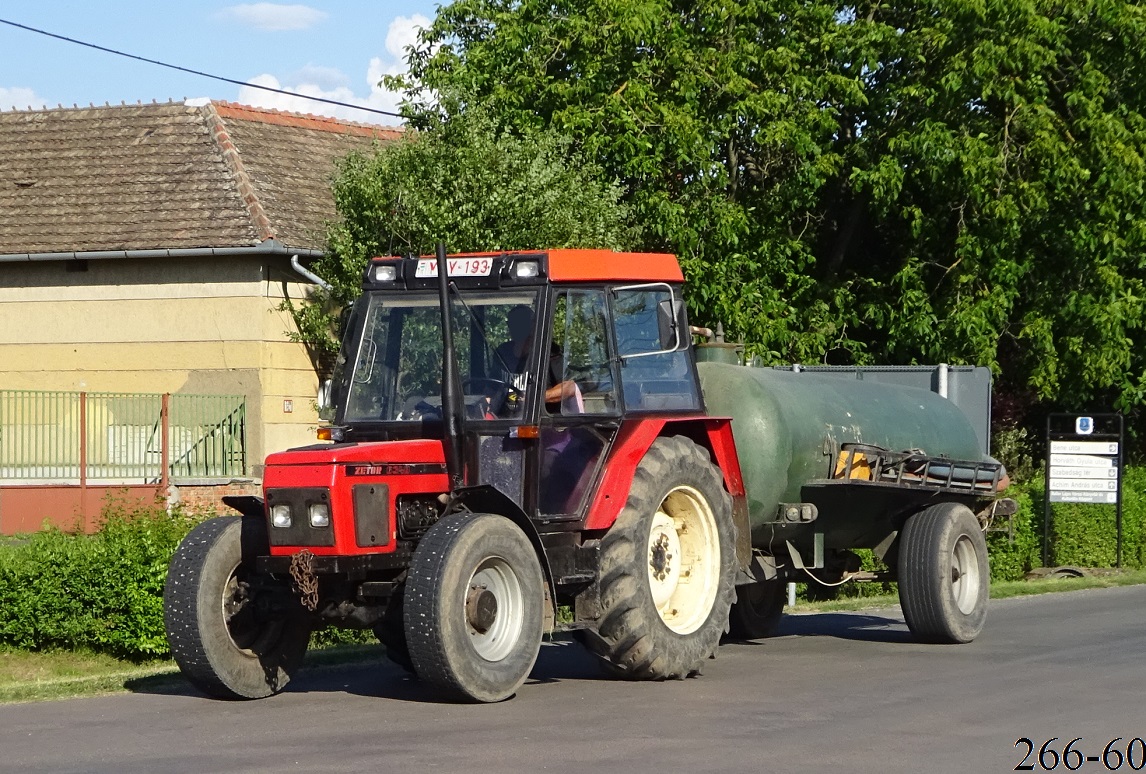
pixel 220 638
pixel 667 567
pixel 757 611
pixel 474 607
pixel 944 577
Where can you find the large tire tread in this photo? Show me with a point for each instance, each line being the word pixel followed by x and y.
pixel 630 637
pixel 429 658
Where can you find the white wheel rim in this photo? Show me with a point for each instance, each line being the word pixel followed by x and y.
pixel 965 578
pixel 684 560
pixel 497 640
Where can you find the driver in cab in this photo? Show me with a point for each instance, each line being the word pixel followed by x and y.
pixel 513 355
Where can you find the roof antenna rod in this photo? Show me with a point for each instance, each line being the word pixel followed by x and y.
pixel 453 413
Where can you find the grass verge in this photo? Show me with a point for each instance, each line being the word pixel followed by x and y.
pixel 28 677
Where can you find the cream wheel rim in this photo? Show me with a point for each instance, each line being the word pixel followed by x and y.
pixel 684 560
pixel 495 609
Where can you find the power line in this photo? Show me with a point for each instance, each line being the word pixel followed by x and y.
pixel 197 72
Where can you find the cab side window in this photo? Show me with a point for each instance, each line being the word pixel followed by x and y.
pixel 580 355
pixel 651 382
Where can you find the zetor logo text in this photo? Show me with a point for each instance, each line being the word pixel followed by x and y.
pixel 394 469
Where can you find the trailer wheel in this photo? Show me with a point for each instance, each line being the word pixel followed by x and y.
pixel 667 567
pixel 474 603
pixel 757 611
pixel 219 639
pixel 944 578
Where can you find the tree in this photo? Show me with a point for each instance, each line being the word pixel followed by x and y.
pixel 939 180
pixel 469 185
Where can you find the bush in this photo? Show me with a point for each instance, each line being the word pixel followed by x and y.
pixel 100 592
pixel 1085 535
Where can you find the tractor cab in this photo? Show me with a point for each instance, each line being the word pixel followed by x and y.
pixel 552 350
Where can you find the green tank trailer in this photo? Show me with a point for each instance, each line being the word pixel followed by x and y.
pixel 832 465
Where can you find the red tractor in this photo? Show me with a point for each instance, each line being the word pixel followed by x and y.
pixel 520 444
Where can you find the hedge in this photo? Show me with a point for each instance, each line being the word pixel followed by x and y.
pixel 103 592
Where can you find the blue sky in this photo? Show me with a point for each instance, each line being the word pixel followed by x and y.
pixel 334 49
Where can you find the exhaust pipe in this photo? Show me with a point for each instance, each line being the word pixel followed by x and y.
pixel 453 410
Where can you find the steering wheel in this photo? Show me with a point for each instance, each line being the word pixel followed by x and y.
pixel 499 392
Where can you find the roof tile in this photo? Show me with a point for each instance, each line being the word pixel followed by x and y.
pixel 168 176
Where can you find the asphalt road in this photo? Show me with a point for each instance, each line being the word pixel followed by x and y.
pixel 848 692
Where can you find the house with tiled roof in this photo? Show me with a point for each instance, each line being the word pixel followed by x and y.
pixel 148 249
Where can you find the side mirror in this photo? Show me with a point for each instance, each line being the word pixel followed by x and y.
pixel 342 321
pixel 325 404
pixel 670 322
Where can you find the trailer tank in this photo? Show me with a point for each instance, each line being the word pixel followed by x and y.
pixel 789 427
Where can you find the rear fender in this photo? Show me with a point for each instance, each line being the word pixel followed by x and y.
pixel 633 441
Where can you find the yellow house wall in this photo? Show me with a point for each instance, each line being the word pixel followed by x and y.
pixel 186 325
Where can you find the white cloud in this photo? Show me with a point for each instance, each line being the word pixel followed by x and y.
pixel 329 83
pixel 274 17
pixel 403 32
pixel 19 98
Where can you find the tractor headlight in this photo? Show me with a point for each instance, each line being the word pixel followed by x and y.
pixel 280 516
pixel 319 515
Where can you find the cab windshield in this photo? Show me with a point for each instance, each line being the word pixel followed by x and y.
pixel 390 369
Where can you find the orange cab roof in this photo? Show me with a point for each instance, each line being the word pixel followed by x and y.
pixel 608 266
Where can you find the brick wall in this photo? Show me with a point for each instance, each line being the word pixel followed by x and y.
pixel 208 497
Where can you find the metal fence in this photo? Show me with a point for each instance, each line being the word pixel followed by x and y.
pixel 88 437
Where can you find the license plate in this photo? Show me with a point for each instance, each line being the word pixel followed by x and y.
pixel 457 267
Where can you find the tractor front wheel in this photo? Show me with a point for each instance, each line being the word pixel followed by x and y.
pixel 221 638
pixel 474 607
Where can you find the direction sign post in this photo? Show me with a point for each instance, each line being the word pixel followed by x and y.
pixel 1084 465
